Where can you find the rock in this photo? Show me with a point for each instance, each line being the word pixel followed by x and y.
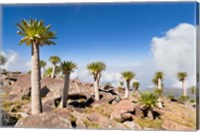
pixel 108 87
pixel 105 98
pixel 7 119
pixel 132 125
pixel 80 124
pixel 137 110
pixel 6 83
pixel 48 105
pixel 22 114
pixel 44 91
pixel 15 108
pixel 116 100
pixel 11 79
pixel 5 89
pixel 45 120
pixel 104 122
pixel 122 107
pixel 55 86
pixel 99 103
pixel 21 87
pixel 171 125
pixel 126 117
pixel 26 94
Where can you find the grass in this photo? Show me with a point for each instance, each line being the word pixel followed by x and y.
pixel 81 100
pixel 105 110
pixel 117 120
pixel 148 123
pixel 120 89
pixel 180 114
pixel 183 98
pixel 170 96
pixel 90 124
pixel 72 118
pixel 16 105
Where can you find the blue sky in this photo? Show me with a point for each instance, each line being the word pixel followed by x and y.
pixel 109 32
pixel 118 34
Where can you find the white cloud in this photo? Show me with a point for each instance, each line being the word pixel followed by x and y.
pixel 108 76
pixel 16 62
pixel 83 74
pixel 175 52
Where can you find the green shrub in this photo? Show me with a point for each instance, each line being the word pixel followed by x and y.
pixel 120 89
pixel 148 123
pixel 183 98
pixel 170 96
pixel 192 101
pixel 148 99
pixel 158 92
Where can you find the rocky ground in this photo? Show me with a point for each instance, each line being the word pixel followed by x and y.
pixel 110 112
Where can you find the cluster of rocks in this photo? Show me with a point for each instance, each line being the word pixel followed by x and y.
pixel 110 112
pixel 80 118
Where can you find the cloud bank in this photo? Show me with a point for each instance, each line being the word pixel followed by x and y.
pixel 16 62
pixel 175 52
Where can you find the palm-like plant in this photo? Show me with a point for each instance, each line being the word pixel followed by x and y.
pixel 48 71
pixel 128 76
pixel 35 34
pixel 136 86
pixel 95 68
pixel 121 83
pixel 66 67
pixel 149 102
pixel 43 65
pixel 193 90
pixel 181 77
pixel 155 82
pixel 3 60
pixel 159 76
pixel 148 99
pixel 54 60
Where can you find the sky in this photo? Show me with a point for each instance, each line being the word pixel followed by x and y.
pixel 140 37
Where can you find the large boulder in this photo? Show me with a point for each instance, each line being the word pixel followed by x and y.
pixel 95 120
pixel 7 119
pixel 123 106
pixel 21 87
pixel 55 85
pixel 55 119
pixel 8 78
pixel 105 122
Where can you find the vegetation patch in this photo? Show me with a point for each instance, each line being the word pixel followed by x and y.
pixel 105 110
pixel 148 123
pixel 16 105
pixel 72 118
pixel 183 98
pixel 90 124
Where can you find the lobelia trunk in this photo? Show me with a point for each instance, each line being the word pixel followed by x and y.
pixel 184 88
pixel 136 91
pixel 159 99
pixel 36 103
pixel 43 72
pixel 65 91
pixel 96 89
pixel 53 71
pixel 159 83
pixel 127 90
